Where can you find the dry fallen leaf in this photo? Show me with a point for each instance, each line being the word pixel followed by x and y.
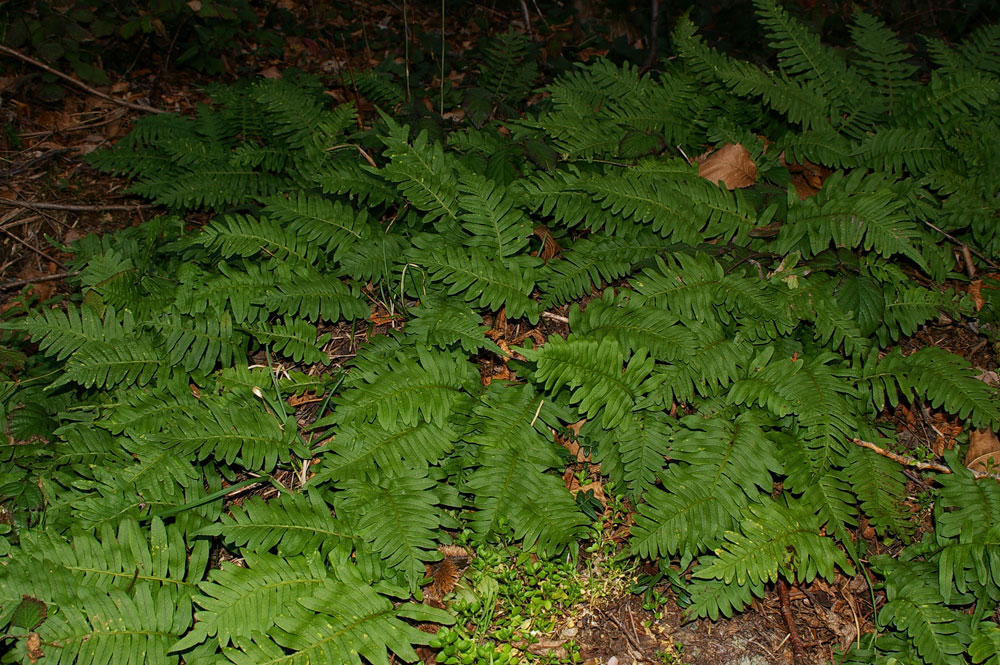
pixel 731 165
pixel 974 288
pixel 984 450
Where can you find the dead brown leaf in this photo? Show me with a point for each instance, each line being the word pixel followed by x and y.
pixel 731 165
pixel 984 450
pixel 34 647
pixel 977 297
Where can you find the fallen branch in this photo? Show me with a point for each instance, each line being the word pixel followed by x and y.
pixel 798 649
pixel 72 207
pixel 34 249
pixel 78 83
pixel 17 283
pixel 917 464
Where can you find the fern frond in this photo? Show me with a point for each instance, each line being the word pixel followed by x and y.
pixel 947 380
pixel 636 451
pixel 773 539
pixel 234 429
pixel 509 488
pixel 343 621
pixel 406 392
pixel 442 322
pixel 480 278
pixel 292 338
pixel 881 60
pixel 199 342
pixel 592 262
pixel 315 297
pixel 125 362
pixel 802 56
pixel 61 333
pixel 369 451
pixel 292 523
pixel 939 632
pixel 880 486
pixel 634 326
pixel 802 102
pixel 244 235
pixel 422 171
pixel 399 518
pixel 686 520
pixel 238 601
pixel 592 372
pixel 490 214
pixel 332 225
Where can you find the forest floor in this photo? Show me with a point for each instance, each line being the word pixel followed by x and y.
pixel 49 197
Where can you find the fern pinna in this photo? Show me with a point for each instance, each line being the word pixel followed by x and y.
pixel 730 343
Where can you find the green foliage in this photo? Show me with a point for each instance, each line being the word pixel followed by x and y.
pixel 736 344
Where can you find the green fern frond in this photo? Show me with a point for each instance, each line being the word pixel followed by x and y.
pixel 292 523
pixel 985 647
pixel 443 322
pixel 592 262
pixel 774 539
pixel 939 633
pixel 292 338
pixel 425 388
pixel 343 621
pixel 803 103
pixel 233 429
pixel 634 453
pixel 244 235
pixel 315 297
pixel 803 57
pixel 238 601
pixel 516 418
pixel 136 627
pixel 881 60
pixel 422 171
pixel 479 278
pixel 880 486
pixel 686 518
pixel 332 225
pixel 947 380
pixel 369 451
pixel 198 342
pixel 634 326
pixel 509 488
pixel 125 362
pixel 399 519
pixel 490 214
pixel 592 373
pixel 60 333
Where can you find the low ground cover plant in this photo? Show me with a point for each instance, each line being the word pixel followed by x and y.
pixel 729 345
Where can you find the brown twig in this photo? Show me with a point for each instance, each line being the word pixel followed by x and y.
pixel 917 464
pixel 45 156
pixel 625 631
pixel 33 248
pixel 78 83
pixel 17 283
pixel 798 650
pixel 964 248
pixel 72 207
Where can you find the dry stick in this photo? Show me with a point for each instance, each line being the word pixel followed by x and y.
pixel 625 632
pixel 77 82
pixel 923 466
pixel 45 156
pixel 961 244
pixel 33 248
pixel 72 207
pixel 17 283
pixel 798 651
